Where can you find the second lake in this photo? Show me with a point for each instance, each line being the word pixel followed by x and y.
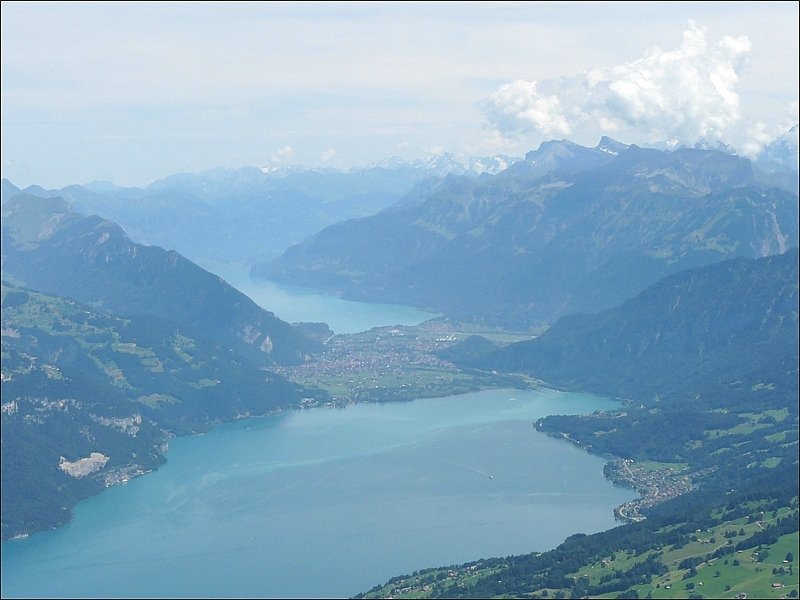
pixel 295 304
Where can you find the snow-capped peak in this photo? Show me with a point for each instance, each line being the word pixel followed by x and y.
pixel 611 146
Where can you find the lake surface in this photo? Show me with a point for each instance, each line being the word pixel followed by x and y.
pixel 329 502
pixel 295 304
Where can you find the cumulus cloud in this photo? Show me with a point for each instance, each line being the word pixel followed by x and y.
pixel 285 154
pixel 328 155
pixel 688 94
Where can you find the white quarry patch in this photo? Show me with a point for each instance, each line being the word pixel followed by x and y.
pixel 83 466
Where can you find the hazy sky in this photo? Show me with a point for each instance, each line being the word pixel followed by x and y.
pixel 134 92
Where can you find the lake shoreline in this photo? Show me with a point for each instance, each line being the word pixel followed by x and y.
pixel 133 471
pixel 257 428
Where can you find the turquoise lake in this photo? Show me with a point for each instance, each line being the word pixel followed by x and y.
pixel 329 502
pixel 295 304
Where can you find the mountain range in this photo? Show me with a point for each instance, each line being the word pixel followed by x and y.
pixel 249 214
pixel 569 229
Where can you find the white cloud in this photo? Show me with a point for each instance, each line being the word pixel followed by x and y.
pixel 328 155
pixel 283 155
pixel 688 94
pixel 521 103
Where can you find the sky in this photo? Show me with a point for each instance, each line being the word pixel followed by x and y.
pixel 132 92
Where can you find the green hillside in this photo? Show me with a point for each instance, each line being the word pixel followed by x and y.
pixel 729 328
pixel 76 381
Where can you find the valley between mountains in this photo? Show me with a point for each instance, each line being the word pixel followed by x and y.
pixel 666 280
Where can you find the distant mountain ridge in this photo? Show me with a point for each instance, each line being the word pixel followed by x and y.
pixel 49 247
pixel 234 215
pixel 568 229
pixel 247 214
pixel 445 163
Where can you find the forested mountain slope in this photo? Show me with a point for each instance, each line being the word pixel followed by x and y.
pixel 569 229
pixel 48 246
pixel 102 392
